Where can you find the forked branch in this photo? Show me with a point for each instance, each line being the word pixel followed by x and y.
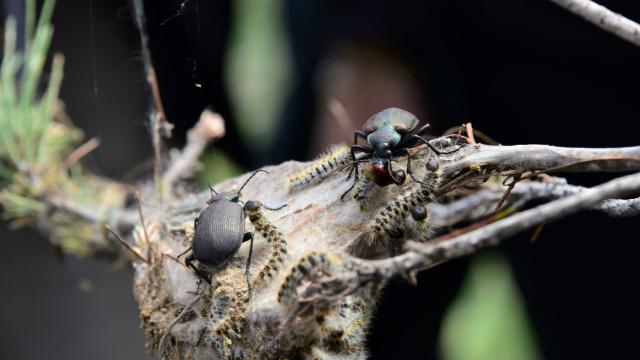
pixel 422 256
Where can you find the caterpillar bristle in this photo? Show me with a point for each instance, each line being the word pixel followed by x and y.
pixel 278 244
pixel 306 265
pixel 392 221
pixel 335 158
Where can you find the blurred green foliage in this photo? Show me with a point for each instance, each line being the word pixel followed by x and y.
pixel 25 118
pixel 218 166
pixel 37 172
pixel 257 76
pixel 257 68
pixel 488 320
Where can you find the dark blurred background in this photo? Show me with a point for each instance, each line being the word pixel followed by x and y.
pixel 522 71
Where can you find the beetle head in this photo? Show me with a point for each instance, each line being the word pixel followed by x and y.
pixel 383 139
pixel 223 196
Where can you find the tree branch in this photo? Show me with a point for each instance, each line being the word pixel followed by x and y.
pixel 423 256
pixel 604 18
pixel 209 127
pixel 481 203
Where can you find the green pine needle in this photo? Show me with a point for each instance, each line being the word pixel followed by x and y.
pixel 25 116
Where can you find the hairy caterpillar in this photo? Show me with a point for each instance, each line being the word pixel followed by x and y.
pixel 333 159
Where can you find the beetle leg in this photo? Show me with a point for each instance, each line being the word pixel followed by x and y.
pixel 248 237
pixel 358 133
pixel 198 283
pixel 354 161
pixel 390 171
pixel 184 252
pixel 418 132
pixel 361 190
pixel 353 184
pixel 189 262
pixel 409 169
pixel 350 188
pixel 354 169
pixel 423 129
pixel 362 148
pixel 438 152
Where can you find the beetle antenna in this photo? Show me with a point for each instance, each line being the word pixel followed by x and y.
pixel 275 209
pixel 353 163
pixel 212 190
pixel 174 322
pixel 438 152
pixel 168 256
pixel 249 179
pixel 183 253
pixel 127 245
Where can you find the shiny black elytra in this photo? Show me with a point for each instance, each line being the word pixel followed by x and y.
pixel 219 232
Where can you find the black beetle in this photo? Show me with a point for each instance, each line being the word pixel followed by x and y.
pixel 219 232
pixel 389 133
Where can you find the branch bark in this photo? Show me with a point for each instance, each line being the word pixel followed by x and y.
pixel 424 256
pixel 604 18
pixel 210 127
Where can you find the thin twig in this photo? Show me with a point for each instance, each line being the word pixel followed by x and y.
pixel 536 233
pixel 476 133
pixel 159 123
pixel 604 18
pixel 523 158
pixel 612 207
pixel 116 217
pixel 81 152
pixel 512 184
pixel 477 225
pixel 174 322
pixel 469 127
pixel 144 224
pixel 126 244
pixel 481 203
pixel 209 127
pixel 157 155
